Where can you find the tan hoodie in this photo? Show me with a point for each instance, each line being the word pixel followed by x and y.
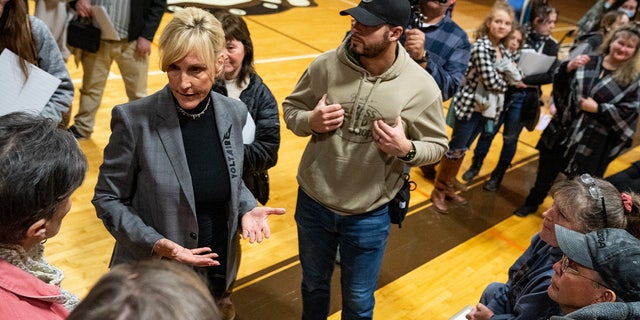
pixel 343 169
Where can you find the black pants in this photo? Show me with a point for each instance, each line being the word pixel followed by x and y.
pixel 550 163
pixel 627 179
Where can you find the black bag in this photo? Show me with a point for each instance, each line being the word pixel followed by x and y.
pixel 262 190
pixel 530 110
pixel 258 184
pixel 82 34
pixel 399 205
pixel 552 134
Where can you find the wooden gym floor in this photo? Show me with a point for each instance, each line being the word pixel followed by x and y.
pixel 435 266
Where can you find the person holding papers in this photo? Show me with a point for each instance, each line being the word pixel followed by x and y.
pixel 521 99
pixel 31 40
pixel 240 81
pixel 135 22
pixel 597 100
pixel 465 116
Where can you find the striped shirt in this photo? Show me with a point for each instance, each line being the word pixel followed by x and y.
pixel 120 13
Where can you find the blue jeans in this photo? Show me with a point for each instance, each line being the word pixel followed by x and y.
pixel 464 132
pixel 496 295
pixel 362 240
pixel 512 129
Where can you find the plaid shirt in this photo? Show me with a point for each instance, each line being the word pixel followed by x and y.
pixel 599 136
pixel 481 68
pixel 449 52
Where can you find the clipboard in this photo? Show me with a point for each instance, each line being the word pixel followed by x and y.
pixel 108 30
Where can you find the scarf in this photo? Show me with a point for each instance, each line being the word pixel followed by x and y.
pixel 33 262
pixel 536 41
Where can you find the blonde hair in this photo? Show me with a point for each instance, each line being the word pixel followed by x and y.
pixel 499 5
pixel 192 30
pixel 627 72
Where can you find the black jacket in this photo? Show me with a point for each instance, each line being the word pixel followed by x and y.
pixel 262 153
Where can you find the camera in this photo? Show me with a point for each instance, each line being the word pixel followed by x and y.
pixel 416 15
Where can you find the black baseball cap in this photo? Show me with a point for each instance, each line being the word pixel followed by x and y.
pixel 376 12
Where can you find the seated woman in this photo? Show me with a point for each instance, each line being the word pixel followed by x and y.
pixel 578 205
pixel 598 267
pixel 148 290
pixel 40 166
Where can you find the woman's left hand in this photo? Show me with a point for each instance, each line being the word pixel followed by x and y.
pixel 255 224
pixel 588 105
pixel 480 312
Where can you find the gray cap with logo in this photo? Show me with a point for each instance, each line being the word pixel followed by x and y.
pixel 613 253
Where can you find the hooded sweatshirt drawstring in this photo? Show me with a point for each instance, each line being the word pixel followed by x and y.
pixel 356 113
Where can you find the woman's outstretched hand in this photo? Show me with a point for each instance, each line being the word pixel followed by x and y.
pixel 255 225
pixel 198 257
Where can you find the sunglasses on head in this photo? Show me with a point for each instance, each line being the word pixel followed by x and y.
pixel 595 193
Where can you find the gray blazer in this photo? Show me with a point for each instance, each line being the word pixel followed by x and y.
pixel 144 191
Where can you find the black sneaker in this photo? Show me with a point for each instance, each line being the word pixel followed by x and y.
pixel 76 133
pixel 525 210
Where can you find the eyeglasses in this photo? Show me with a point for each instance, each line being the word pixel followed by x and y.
pixel 595 193
pixel 569 265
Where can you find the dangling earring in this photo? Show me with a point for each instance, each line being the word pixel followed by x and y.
pixel 44 241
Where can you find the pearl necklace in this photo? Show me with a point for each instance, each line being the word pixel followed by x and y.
pixel 193 116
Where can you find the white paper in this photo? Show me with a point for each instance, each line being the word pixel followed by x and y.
pixel 532 62
pixel 461 315
pixel 543 121
pixel 18 95
pixel 249 130
pixel 107 30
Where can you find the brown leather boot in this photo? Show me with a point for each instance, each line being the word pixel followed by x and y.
pixel 227 309
pixel 448 170
pixel 438 197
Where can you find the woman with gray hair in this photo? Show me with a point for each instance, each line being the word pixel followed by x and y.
pixel 171 182
pixel 148 290
pixel 40 167
pixel 582 204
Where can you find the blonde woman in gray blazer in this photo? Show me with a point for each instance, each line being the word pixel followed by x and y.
pixel 171 182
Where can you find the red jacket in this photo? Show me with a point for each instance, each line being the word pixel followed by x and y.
pixel 24 296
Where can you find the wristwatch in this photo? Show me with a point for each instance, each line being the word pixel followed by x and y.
pixel 424 58
pixel 410 155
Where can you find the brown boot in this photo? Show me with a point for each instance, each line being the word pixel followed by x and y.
pixel 447 177
pixel 438 197
pixel 227 309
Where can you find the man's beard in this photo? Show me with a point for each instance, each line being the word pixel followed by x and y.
pixel 371 50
